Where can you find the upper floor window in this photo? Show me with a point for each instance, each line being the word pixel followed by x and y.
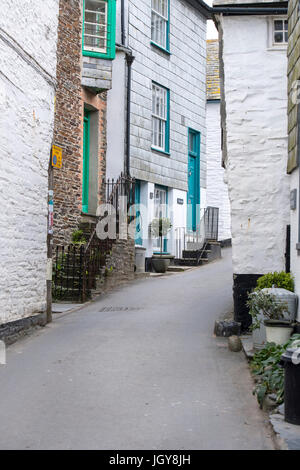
pixel 160 23
pixel 280 31
pixel 99 25
pixel 160 118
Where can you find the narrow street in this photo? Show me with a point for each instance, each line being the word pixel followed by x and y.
pixel 137 369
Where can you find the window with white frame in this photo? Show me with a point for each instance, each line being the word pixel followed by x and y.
pixel 160 103
pixel 95 25
pixel 159 22
pixel 280 31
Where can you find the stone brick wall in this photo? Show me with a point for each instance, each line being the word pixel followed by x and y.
pixel 27 90
pixel 120 265
pixel 71 100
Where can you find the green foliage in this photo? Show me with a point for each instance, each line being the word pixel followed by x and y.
pixel 266 369
pixel 262 303
pixel 160 228
pixel 276 279
pixel 78 237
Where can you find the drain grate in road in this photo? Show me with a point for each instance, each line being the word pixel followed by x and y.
pixel 119 309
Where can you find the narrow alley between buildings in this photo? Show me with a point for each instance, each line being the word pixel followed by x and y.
pixel 136 369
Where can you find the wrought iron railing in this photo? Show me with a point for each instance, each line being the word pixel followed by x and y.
pixel 76 267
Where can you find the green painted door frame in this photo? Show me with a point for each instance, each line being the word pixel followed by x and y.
pixel 86 162
pixel 193 195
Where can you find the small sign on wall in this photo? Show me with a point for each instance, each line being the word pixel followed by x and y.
pixel 293 199
pixel 56 157
pixel 180 201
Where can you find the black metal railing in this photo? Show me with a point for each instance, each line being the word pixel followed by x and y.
pixel 211 221
pixel 68 272
pixel 76 267
pixel 75 270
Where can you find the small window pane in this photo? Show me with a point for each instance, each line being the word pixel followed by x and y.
pixel 278 37
pixel 278 25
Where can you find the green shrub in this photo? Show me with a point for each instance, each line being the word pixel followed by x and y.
pixel 269 375
pixel 282 279
pixel 78 237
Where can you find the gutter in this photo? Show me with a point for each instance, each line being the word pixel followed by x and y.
pixel 270 8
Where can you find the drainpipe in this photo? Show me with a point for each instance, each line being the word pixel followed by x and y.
pixel 129 60
pixel 123 36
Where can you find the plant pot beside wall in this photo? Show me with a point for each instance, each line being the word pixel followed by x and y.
pixel 273 312
pixel 160 228
pixel 278 331
pixel 161 263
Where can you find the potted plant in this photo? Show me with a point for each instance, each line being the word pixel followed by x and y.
pixel 265 307
pixel 160 227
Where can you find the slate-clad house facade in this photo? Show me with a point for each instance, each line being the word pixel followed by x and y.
pixel 253 64
pixel 168 104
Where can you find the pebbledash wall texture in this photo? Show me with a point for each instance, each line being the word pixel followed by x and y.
pixel 72 100
pixel 254 121
pixel 217 189
pixel 294 136
pixel 28 40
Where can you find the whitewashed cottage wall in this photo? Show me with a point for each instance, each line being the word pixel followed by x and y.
pixel 28 34
pixel 217 188
pixel 255 87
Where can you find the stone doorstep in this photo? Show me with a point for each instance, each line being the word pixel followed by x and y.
pixel 247 344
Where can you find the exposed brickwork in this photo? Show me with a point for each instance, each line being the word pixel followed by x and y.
pixel 71 99
pixel 119 266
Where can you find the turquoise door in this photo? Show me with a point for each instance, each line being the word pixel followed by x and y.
pixel 86 162
pixel 193 195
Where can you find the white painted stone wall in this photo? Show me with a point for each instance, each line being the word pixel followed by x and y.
pixel 28 34
pixel 183 72
pixel 217 189
pixel 256 108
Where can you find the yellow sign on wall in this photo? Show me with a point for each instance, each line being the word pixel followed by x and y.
pixel 56 156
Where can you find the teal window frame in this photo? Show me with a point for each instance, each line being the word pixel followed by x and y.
pixel 159 46
pixel 111 33
pixel 166 149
